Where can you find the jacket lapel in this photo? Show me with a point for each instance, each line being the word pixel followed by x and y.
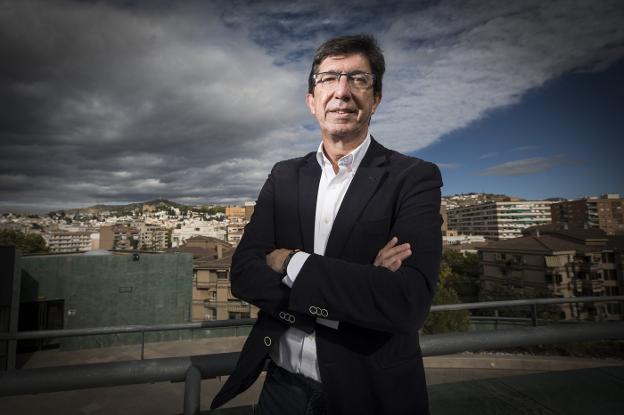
pixel 309 177
pixel 366 181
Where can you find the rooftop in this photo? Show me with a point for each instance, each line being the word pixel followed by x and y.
pixel 460 384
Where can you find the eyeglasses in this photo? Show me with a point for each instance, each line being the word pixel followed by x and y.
pixel 358 80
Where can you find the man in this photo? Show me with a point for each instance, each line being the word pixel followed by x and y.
pixel 341 256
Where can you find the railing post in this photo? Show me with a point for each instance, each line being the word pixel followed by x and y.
pixel 142 344
pixel 192 391
pixel 534 315
pixel 496 319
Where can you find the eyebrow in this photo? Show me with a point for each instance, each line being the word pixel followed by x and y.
pixel 356 71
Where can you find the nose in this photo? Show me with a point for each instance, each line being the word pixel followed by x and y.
pixel 343 89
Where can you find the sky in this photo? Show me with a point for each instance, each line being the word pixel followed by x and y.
pixel 194 101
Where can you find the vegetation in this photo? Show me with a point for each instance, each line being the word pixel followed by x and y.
pixel 212 210
pixel 28 243
pixel 502 293
pixel 446 321
pixel 464 274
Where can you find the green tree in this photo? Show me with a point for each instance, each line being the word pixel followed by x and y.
pixel 28 243
pixel 446 321
pixel 464 277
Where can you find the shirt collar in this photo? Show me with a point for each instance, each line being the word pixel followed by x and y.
pixel 351 161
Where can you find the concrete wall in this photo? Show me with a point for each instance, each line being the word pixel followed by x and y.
pixel 112 290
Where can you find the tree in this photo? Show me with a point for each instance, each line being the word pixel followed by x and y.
pixel 446 321
pixel 27 243
pixel 464 277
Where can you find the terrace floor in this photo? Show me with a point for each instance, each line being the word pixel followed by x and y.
pixel 458 384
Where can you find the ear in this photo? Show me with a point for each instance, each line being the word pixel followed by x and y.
pixel 376 101
pixel 310 102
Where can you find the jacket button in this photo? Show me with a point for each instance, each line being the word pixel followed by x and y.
pixel 267 341
pixel 313 310
pixel 324 312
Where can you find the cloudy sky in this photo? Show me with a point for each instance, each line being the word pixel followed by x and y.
pixel 122 101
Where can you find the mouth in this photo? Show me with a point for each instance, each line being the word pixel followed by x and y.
pixel 343 112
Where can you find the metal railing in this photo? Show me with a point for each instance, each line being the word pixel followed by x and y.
pixel 192 369
pixel 210 324
pixel 138 328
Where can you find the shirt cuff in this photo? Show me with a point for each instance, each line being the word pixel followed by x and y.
pixel 294 266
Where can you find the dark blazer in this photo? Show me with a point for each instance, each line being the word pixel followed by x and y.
pixel 372 364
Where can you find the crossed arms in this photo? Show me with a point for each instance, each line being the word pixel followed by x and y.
pixel 391 292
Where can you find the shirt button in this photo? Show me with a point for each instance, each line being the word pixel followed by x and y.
pixel 326 220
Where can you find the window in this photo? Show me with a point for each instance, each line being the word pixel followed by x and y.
pixel 236 316
pixel 222 275
pixel 610 274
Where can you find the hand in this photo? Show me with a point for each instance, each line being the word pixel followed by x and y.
pixel 275 259
pixel 392 255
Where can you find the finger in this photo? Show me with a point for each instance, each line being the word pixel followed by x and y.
pixel 389 252
pixel 394 265
pixel 388 256
pixel 393 241
pixel 397 260
pixel 382 252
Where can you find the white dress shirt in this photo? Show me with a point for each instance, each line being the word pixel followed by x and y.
pixel 297 349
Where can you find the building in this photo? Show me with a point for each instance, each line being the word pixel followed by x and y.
pixel 153 237
pixel 606 213
pixel 235 232
pixel 240 213
pixel 498 220
pixel 444 214
pixel 561 263
pixel 235 213
pixel 212 290
pixel 119 237
pixel 202 246
pixel 100 289
pixel 213 229
pixel 68 242
pixel 212 293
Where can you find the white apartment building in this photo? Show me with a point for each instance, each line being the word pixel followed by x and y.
pixel 499 220
pixel 63 241
pixel 213 229
pixel 152 237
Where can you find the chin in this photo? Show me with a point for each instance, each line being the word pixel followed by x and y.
pixel 344 130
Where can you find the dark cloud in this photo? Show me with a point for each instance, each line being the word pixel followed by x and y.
pixel 194 101
pixel 100 102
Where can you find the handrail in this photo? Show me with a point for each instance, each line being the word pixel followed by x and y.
pixel 529 301
pixel 209 324
pixel 137 328
pixel 176 369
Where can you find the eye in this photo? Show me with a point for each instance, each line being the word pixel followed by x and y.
pixel 328 77
pixel 360 79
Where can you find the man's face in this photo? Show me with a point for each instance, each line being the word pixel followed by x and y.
pixel 343 111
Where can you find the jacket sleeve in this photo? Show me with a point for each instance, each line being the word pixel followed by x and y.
pixel 375 297
pixel 252 279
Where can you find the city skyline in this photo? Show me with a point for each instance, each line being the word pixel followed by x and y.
pixel 116 102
